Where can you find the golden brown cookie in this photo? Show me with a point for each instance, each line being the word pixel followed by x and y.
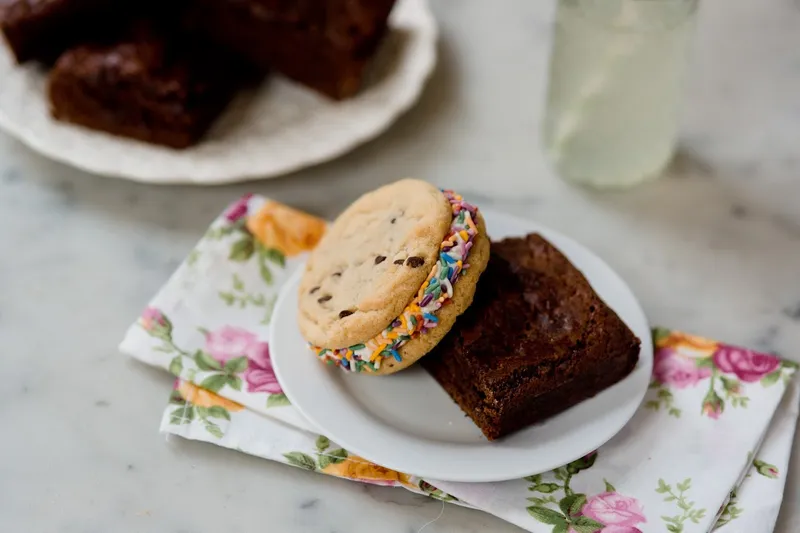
pixel 380 311
pixel 371 263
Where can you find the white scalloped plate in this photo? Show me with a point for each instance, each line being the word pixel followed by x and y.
pixel 406 422
pixel 278 128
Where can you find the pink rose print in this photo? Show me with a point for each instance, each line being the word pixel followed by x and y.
pixel 620 529
pixel 230 342
pixel 671 368
pixel 749 366
pixel 613 509
pixel 259 374
pixel 712 409
pixel 239 209
pixel 151 318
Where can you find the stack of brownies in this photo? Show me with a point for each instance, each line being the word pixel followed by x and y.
pixel 162 73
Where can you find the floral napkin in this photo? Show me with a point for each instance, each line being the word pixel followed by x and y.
pixel 209 327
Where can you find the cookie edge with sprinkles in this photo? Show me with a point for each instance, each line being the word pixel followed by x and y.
pixel 472 244
pixel 374 309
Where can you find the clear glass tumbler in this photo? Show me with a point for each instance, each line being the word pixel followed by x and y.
pixel 616 74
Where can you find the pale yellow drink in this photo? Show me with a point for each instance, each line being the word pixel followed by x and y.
pixel 616 76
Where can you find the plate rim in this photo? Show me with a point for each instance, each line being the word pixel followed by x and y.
pixel 360 132
pixel 645 364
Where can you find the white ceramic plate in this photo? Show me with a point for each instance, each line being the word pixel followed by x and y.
pixel 279 128
pixel 408 423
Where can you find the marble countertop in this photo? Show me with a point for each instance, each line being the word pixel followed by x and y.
pixel 712 248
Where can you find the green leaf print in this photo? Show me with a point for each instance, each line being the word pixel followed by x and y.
pixel 659 334
pixel 240 297
pixel 338 455
pixel 542 501
pixel 166 326
pixel 583 463
pixel 264 271
pixel 218 411
pixel 729 512
pixel 218 232
pixel 234 382
pixel 547 516
pixel 333 457
pixel 546 488
pixel 324 461
pixel 301 460
pixel 242 249
pixel 277 400
pixel 571 505
pixel 182 415
pixel 322 443
pixel 176 366
pixel 214 383
pixel 274 255
pixel 214 429
pixel 704 362
pixel 609 486
pixel 228 297
pixel 205 362
pixel 676 523
pixel 771 379
pixel 584 524
pixel 236 365
pixel 192 258
pixel 663 398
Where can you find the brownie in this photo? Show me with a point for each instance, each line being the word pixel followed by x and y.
pixel 42 29
pixel 323 44
pixel 152 84
pixel 536 340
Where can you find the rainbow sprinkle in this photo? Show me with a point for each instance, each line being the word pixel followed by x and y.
pixel 419 316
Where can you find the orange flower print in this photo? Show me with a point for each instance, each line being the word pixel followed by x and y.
pixel 285 229
pixel 359 469
pixel 200 397
pixel 688 345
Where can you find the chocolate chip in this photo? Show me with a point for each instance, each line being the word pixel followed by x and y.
pixel 345 313
pixel 312 291
pixel 394 220
pixel 399 262
pixel 336 275
pixel 325 298
pixel 380 259
pixel 415 262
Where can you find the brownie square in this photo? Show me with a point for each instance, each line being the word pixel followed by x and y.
pixel 42 29
pixel 324 44
pixel 152 84
pixel 536 340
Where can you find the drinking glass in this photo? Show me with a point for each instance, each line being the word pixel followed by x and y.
pixel 616 74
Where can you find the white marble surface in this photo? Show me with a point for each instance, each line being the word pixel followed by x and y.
pixel 712 248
